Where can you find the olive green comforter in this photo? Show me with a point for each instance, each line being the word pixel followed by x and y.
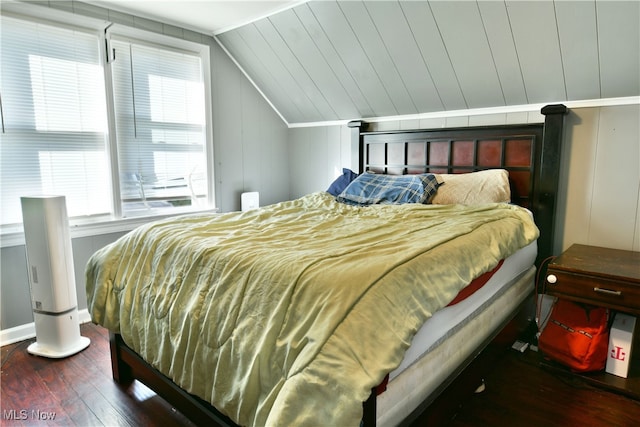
pixel 290 314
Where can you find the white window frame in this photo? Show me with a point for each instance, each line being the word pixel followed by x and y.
pixel 13 234
pixel 120 32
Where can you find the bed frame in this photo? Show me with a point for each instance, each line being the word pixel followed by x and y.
pixel 531 154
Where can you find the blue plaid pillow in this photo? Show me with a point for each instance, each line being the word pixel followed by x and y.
pixel 371 188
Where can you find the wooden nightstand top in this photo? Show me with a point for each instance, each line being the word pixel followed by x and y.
pixel 602 262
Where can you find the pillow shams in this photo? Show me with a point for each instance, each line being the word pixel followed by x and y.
pixel 370 188
pixel 474 188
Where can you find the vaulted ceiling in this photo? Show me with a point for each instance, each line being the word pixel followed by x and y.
pixel 324 60
pixel 337 60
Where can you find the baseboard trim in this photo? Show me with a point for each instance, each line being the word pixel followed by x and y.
pixel 27 331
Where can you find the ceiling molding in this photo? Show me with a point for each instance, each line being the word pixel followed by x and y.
pixel 528 108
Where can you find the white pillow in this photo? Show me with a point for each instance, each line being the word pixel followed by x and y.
pixel 474 188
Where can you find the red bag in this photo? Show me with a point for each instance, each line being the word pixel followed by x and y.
pixel 576 335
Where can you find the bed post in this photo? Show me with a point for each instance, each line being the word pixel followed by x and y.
pixel 120 370
pixel 357 127
pixel 546 179
pixel 369 408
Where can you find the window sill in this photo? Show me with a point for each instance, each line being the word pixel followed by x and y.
pixel 14 236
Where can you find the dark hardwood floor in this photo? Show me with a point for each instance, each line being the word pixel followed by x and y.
pixel 520 392
pixel 79 391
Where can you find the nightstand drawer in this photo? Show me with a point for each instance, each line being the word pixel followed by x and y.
pixel 595 290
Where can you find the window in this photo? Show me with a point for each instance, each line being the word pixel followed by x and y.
pixel 118 139
pixel 160 120
pixel 53 117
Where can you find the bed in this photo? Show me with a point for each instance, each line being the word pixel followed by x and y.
pixel 312 359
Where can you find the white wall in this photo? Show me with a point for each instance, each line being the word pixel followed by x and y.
pixel 249 139
pixel 317 156
pixel 600 182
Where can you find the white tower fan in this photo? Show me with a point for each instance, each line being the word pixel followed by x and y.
pixel 51 277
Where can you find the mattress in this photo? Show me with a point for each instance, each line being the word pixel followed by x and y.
pixel 448 338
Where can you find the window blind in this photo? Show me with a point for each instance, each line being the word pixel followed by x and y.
pixel 54 119
pixel 55 126
pixel 160 121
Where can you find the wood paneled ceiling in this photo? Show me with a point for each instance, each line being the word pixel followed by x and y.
pixel 339 60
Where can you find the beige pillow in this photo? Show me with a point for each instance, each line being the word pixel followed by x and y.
pixel 475 188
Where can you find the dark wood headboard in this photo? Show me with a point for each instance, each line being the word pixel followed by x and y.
pixel 530 152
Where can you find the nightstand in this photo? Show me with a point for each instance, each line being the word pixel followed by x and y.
pixel 607 278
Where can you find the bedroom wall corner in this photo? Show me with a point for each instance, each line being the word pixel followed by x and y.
pixel 317 156
pixel 249 139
